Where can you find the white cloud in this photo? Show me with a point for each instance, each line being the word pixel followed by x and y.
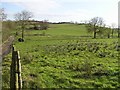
pixel 51 10
pixel 39 6
pixel 76 15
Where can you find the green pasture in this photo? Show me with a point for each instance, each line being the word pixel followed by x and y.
pixel 62 29
pixel 61 57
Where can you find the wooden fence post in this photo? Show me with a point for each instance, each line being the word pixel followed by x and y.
pixel 19 71
pixel 15 71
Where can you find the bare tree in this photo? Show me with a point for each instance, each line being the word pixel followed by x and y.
pixel 22 18
pixel 101 30
pixel 3 16
pixel 94 25
pixel 112 28
pixel 108 31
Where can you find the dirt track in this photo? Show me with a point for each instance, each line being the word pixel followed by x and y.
pixel 6 46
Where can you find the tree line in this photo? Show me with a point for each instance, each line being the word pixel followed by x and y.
pixel 23 21
pixel 97 26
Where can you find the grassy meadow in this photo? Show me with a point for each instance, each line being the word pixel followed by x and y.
pixel 65 56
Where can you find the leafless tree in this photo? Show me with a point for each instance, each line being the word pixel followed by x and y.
pixel 22 18
pixel 94 25
pixel 108 31
pixel 112 28
pixel 3 16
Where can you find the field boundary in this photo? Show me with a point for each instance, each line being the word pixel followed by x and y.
pixel 5 47
pixel 15 70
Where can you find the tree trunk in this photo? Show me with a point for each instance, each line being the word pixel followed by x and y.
pixel 23 28
pixel 95 33
pixel 22 33
pixel 112 32
pixel 108 35
pixel 118 33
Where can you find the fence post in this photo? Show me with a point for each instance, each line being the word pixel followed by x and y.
pixel 15 71
pixel 19 71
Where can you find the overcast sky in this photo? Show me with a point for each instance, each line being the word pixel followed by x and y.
pixel 65 10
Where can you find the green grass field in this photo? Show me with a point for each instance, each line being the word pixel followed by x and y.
pixel 63 29
pixel 61 57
